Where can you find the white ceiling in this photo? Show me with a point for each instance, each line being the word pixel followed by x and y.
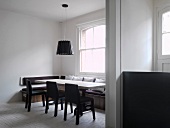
pixel 52 9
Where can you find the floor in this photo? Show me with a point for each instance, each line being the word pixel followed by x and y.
pixel 14 115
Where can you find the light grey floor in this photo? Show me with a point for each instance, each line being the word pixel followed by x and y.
pixel 14 115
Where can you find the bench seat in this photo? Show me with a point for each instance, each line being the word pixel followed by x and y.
pixel 36 86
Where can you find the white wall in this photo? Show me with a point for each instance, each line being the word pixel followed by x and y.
pixel 160 3
pixel 69 61
pixel 129 47
pixel 137 35
pixel 27 47
pixel 113 64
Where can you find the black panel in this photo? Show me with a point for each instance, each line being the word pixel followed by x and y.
pixel 33 79
pixel 146 100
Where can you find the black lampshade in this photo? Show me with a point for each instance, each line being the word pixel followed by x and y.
pixel 64 48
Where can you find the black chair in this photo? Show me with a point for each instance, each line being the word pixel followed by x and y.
pixel 30 92
pixel 72 95
pixel 62 77
pixel 55 95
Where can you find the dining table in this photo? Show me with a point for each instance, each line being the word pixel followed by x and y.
pixel 83 86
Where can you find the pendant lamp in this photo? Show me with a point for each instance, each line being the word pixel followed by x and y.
pixel 64 46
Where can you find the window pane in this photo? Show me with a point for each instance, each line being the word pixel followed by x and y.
pixel 92 61
pixel 166 22
pixel 99 60
pixel 166 44
pixel 99 36
pixel 87 39
pixel 86 61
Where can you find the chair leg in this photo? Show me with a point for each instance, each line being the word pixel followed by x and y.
pixel 77 114
pixel 93 110
pixel 81 110
pixel 43 101
pixel 75 110
pixel 56 108
pixel 29 103
pixel 71 107
pixel 47 105
pixel 61 101
pixel 26 102
pixel 65 111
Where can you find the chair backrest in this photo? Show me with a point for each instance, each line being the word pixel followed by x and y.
pixel 29 87
pixel 52 90
pixel 62 77
pixel 72 93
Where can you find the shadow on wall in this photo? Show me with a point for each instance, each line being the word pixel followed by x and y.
pixel 17 97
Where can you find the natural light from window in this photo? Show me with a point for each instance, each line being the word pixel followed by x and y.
pixel 166 33
pixel 92 49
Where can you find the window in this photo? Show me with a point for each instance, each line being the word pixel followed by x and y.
pixel 166 33
pixel 92 48
pixel 163 33
pixel 162 36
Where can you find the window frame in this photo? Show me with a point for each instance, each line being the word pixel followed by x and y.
pixel 159 34
pixel 81 27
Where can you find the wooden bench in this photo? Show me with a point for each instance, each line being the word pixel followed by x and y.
pixel 33 82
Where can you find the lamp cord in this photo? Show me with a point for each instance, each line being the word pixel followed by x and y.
pixel 65 24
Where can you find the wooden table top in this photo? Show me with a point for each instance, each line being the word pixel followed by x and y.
pixel 81 84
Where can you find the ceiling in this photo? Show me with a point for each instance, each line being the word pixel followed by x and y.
pixel 52 9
